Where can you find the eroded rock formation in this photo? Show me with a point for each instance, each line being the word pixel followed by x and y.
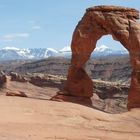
pixel 16 77
pixel 3 78
pixel 119 22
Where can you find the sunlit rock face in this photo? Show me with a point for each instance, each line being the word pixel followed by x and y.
pixel 122 24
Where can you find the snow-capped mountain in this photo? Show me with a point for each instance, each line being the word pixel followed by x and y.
pixel 65 49
pixel 104 50
pixel 99 51
pixel 12 53
pixel 65 52
pixel 39 53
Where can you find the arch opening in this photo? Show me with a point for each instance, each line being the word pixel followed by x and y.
pixel 110 69
pixel 111 61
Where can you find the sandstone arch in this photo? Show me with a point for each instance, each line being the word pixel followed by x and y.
pixel 119 22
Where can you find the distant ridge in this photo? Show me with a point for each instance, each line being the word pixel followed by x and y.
pixel 12 53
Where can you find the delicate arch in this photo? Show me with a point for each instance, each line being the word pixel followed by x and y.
pixel 119 22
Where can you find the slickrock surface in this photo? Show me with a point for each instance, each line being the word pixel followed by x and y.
pixel 109 97
pixel 122 24
pixel 32 119
pixel 26 89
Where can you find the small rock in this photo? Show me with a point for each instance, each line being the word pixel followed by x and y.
pixel 16 93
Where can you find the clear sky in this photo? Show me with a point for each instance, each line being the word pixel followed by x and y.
pixel 47 23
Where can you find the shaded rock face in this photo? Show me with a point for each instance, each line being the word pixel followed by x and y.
pixel 16 93
pixel 3 78
pixel 119 22
pixel 17 77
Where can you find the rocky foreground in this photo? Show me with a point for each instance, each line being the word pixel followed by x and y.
pixel 37 117
pixel 34 119
pixel 109 97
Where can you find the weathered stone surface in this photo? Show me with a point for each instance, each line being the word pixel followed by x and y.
pixel 3 78
pixel 45 80
pixel 16 77
pixel 119 22
pixel 16 93
pixel 66 98
pixel 79 83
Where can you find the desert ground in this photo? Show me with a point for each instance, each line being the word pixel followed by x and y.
pixel 35 117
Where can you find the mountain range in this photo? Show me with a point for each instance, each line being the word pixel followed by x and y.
pixel 12 53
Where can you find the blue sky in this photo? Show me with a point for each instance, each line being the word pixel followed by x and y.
pixel 47 23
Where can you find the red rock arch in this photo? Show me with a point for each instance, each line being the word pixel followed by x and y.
pixel 119 22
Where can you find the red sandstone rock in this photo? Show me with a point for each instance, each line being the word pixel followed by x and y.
pixel 3 78
pixel 16 93
pixel 17 77
pixel 66 98
pixel 79 83
pixel 119 22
